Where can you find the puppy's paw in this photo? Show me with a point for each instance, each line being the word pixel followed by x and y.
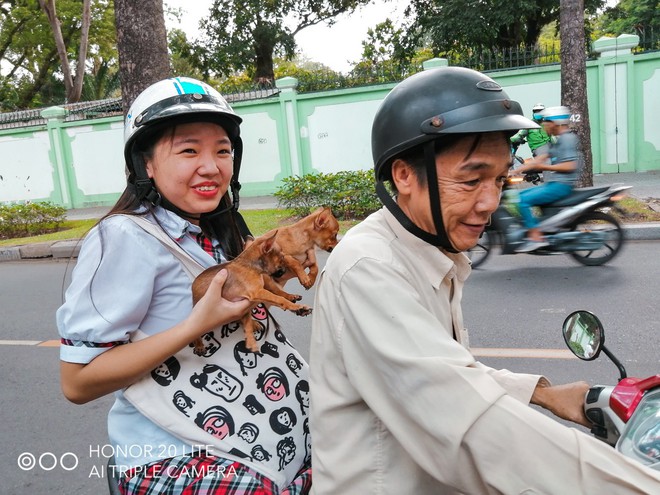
pixel 306 282
pixel 303 311
pixel 294 297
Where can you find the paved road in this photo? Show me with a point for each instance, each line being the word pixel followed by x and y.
pixel 515 303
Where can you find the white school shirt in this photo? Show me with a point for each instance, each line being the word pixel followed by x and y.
pixel 138 283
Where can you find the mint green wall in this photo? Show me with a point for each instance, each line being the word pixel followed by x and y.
pixel 78 164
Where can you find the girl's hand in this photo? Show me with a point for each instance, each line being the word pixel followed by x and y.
pixel 213 311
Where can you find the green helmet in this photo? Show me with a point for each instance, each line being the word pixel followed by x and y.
pixel 430 105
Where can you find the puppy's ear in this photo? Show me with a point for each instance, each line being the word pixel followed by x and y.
pixel 321 219
pixel 269 242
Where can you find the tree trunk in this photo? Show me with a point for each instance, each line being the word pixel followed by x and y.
pixel 72 85
pixel 76 89
pixel 142 46
pixel 574 78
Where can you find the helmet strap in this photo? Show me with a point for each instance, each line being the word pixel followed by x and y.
pixel 441 239
pixel 144 186
pixel 146 189
pixel 434 198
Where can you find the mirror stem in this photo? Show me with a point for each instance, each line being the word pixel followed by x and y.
pixel 618 364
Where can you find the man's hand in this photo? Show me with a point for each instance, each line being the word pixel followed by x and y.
pixel 564 401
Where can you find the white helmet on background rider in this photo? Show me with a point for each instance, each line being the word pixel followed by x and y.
pixel 559 115
pixel 536 111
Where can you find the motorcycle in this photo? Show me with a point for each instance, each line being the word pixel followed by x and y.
pixel 627 415
pixel 579 225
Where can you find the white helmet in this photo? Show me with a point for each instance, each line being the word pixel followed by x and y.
pixel 536 111
pixel 559 115
pixel 175 101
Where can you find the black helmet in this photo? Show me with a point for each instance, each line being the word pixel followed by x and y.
pixel 436 102
pixel 429 105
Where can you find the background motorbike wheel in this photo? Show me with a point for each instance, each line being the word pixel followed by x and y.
pixel 479 253
pixel 602 222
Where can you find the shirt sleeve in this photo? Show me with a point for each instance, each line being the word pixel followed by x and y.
pixel 110 290
pixel 520 386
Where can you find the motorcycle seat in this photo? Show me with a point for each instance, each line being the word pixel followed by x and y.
pixel 577 196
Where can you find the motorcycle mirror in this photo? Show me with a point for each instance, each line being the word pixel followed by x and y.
pixel 584 335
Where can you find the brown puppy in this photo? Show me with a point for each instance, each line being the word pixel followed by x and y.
pixel 298 241
pixel 250 275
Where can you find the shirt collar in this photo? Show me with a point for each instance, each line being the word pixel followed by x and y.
pixel 175 226
pixel 435 262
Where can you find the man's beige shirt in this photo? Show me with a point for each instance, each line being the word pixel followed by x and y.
pixel 400 406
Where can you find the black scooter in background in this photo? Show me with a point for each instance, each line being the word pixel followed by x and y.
pixel 579 225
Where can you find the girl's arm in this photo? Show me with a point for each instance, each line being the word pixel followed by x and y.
pixel 122 365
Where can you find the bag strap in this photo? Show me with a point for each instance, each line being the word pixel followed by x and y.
pixel 190 265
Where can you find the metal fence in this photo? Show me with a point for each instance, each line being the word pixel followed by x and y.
pixel 363 74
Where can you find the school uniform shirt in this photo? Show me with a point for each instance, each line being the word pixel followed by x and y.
pixel 254 404
pixel 400 406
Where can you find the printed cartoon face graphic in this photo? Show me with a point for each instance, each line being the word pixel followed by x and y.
pixel 282 420
pixel 230 328
pixel 244 357
pixel 211 345
pixel 280 337
pixel 259 312
pixel 217 381
pixel 217 427
pixel 253 406
pixel 302 394
pixel 182 402
pixel 286 451
pixel 162 371
pixel 260 454
pixel 259 332
pixel 248 432
pixel 293 363
pixel 216 421
pixel 165 373
pixel 308 438
pixel 273 384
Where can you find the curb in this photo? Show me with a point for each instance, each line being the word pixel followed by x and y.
pixel 70 248
pixel 642 231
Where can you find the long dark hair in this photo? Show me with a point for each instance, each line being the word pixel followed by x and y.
pixel 227 226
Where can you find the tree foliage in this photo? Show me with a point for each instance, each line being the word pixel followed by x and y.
pixel 32 73
pixel 641 17
pixel 470 26
pixel 246 35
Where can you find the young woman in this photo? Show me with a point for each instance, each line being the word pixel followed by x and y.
pixel 128 321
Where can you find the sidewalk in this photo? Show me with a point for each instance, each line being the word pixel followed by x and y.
pixel 70 248
pixel 644 185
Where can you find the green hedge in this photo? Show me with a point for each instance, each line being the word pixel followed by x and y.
pixel 351 195
pixel 23 220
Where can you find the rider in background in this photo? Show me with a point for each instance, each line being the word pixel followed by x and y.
pixel 537 139
pixel 561 167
